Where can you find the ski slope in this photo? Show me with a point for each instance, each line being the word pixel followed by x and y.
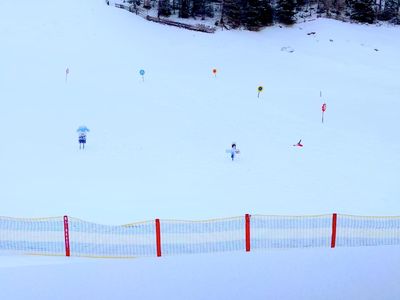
pixel 157 147
pixel 351 273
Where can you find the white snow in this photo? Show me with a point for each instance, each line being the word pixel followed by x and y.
pixel 156 148
pixel 353 273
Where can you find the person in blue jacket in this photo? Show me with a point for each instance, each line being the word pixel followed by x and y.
pixel 82 130
pixel 82 140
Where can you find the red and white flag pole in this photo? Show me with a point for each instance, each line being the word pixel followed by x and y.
pixel 66 236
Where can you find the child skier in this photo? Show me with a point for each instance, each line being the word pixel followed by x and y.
pixel 82 136
pixel 82 140
pixel 233 151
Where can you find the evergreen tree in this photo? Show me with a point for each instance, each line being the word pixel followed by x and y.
pixel 184 7
pixel 285 11
pixel 198 8
pixel 363 11
pixel 164 8
pixel 390 10
pixel 232 13
pixel 257 13
pixel 251 19
pixel 266 13
pixel 175 6
pixel 147 4
pixel 339 6
pixel 209 9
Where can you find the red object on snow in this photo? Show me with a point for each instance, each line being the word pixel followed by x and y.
pixel 324 107
pixel 247 221
pixel 158 237
pixel 334 222
pixel 66 236
pixel 299 144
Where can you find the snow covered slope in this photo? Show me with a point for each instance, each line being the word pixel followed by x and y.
pixel 353 273
pixel 157 147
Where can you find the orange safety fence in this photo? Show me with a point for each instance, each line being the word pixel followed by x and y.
pixel 73 237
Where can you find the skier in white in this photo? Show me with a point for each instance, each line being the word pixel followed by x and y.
pixel 233 151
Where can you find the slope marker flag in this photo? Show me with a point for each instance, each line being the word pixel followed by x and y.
pixel 259 89
pixel 323 108
pixel 214 72
pixel 141 72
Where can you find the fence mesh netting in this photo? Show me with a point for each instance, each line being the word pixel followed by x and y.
pixel 180 237
pixel 51 236
pixel 33 236
pixel 290 232
pixel 367 231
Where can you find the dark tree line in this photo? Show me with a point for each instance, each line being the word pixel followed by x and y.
pixel 255 14
pixel 186 8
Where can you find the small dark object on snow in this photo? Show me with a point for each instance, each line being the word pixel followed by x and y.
pixel 287 49
pixel 310 33
pixel 330 40
pixel 376 49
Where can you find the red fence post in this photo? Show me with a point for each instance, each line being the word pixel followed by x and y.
pixel 247 217
pixel 334 221
pixel 158 237
pixel 66 236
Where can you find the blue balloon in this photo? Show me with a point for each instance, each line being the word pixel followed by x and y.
pixel 141 72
